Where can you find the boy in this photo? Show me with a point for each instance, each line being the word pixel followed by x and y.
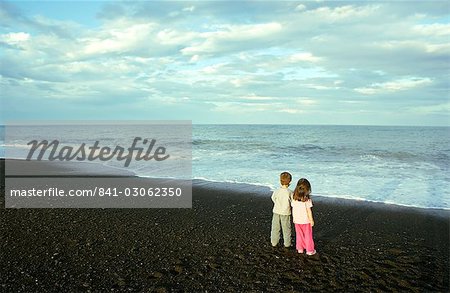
pixel 281 220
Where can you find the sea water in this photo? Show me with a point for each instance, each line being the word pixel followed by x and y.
pixel 399 165
pixel 395 165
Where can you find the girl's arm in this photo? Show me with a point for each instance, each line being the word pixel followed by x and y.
pixel 310 216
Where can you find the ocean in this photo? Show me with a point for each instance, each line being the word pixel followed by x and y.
pixel 395 165
pixel 406 166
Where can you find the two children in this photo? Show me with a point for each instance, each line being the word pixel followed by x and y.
pixel 300 202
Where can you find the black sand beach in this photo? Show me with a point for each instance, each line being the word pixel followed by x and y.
pixel 222 244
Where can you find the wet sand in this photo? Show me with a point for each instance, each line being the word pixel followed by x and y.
pixel 222 244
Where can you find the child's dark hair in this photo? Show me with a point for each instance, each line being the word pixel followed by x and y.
pixel 302 190
pixel 285 178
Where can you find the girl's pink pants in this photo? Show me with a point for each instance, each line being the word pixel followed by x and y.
pixel 304 237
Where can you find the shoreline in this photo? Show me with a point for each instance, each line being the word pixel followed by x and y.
pixel 262 190
pixel 74 169
pixel 222 244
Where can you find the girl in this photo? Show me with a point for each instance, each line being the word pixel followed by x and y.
pixel 303 218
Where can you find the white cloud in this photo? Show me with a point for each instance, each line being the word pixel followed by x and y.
pixel 173 37
pixel 306 101
pixel 435 29
pixel 300 7
pixel 304 57
pixel 15 38
pixel 409 45
pixel 291 111
pixel 438 48
pixel 194 58
pixel 189 9
pixel 241 107
pixel 253 97
pixel 342 13
pixel 352 102
pixel 241 81
pixel 119 38
pixel 227 36
pixel 320 87
pixel 212 69
pixel 394 86
pixel 431 109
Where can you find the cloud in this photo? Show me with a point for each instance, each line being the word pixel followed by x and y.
pixel 414 45
pixel 442 109
pixel 434 29
pixel 394 86
pixel 342 13
pixel 306 101
pixel 291 111
pixel 232 38
pixel 266 57
pixel 241 107
pixel 300 7
pixel 14 38
pixel 304 56
pixel 119 39
pixel 253 97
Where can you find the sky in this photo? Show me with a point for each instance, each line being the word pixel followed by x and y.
pixel 249 62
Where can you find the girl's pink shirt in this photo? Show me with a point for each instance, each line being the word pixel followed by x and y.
pixel 299 213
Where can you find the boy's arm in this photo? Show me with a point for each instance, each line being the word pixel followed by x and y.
pixel 310 216
pixel 273 196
